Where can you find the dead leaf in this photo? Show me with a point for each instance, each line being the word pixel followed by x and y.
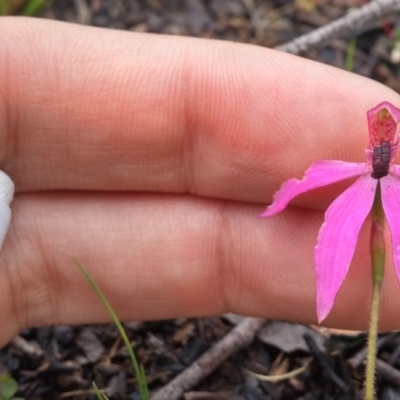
pixel 288 337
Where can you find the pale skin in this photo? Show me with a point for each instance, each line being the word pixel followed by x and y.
pixel 148 158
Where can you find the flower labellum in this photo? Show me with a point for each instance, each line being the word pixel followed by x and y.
pixel 338 235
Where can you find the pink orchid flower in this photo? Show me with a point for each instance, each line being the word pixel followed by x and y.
pixel 338 235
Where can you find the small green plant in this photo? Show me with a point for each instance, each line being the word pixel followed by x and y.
pixel 395 52
pixel 351 50
pixel 32 7
pixel 8 388
pixel 139 371
pixel 22 7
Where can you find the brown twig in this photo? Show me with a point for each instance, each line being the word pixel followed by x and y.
pixel 83 12
pixel 358 358
pixel 388 372
pixel 240 336
pixel 350 24
pixel 31 349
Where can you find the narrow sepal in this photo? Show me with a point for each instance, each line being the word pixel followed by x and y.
pixel 321 173
pixel 337 240
pixel 390 188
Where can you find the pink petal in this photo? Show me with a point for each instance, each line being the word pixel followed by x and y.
pixel 395 170
pixel 321 173
pixel 390 186
pixel 337 240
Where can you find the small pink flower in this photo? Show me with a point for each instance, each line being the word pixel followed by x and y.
pixel 338 235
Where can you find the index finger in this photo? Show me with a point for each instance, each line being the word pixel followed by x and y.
pixel 87 108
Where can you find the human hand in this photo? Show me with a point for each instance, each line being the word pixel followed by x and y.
pixel 149 158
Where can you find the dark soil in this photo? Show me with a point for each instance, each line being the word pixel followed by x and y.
pixel 61 362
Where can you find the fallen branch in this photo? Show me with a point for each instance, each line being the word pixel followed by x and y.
pixel 390 373
pixel 239 337
pixel 353 22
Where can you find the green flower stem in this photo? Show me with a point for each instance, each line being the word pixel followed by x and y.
pixel 378 252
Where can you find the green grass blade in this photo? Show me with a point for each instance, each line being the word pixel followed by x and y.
pixel 143 384
pixel 32 7
pixel 351 50
pixel 139 372
pixel 99 395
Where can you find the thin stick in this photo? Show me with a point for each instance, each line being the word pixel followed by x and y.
pixel 353 21
pixel 239 337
